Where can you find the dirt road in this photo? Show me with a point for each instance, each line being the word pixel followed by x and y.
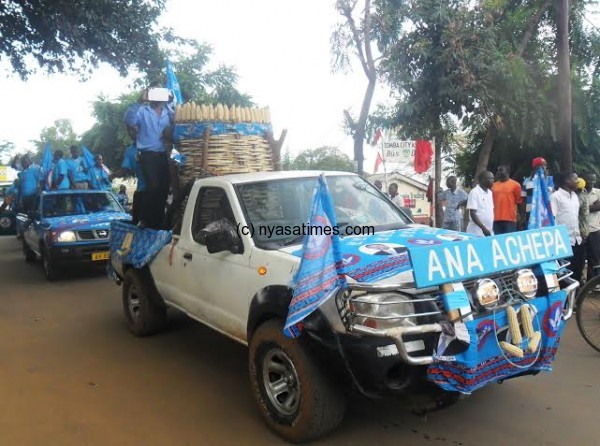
pixel 71 374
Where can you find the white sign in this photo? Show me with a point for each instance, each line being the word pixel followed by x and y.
pixel 398 151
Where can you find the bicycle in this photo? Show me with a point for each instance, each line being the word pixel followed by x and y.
pixel 587 312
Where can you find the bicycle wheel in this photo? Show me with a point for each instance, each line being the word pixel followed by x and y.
pixel 587 312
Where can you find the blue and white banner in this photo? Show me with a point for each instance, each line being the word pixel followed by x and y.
pixel 196 130
pixel 318 277
pixel 541 211
pixel 459 261
pixel 135 246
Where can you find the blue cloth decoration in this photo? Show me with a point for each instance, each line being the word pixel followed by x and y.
pixel 319 276
pixel 455 300
pixel 88 158
pixel 47 161
pixel 97 219
pixel 196 130
pixel 370 258
pixel 541 212
pixel 485 362
pixel 173 83
pixel 139 248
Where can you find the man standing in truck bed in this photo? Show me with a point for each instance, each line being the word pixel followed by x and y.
pixel 152 123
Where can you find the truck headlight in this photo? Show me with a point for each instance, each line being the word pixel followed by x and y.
pixel 526 283
pixel 487 292
pixel 385 310
pixel 66 236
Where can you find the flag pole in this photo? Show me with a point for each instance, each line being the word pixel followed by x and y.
pixel 434 193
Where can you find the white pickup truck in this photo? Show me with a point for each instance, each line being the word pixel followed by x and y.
pixel 382 335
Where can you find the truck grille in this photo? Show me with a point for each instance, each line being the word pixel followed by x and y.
pixel 96 234
pixel 505 282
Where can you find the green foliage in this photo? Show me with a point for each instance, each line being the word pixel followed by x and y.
pixel 322 158
pixel 77 35
pixel 7 150
pixel 60 135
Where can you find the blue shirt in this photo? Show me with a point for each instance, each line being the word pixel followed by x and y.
pixel 60 168
pixel 29 180
pixel 527 190
pixel 131 162
pixel 77 167
pixel 150 126
pixel 99 179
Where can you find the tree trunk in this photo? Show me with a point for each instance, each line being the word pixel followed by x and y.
pixel 564 84
pixel 360 127
pixel 486 150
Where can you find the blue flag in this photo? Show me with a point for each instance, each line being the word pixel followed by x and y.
pixel 88 157
pixel 47 160
pixel 319 276
pixel 173 83
pixel 541 210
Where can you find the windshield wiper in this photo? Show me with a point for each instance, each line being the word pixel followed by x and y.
pixel 293 241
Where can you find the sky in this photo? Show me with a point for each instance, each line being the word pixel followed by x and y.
pixel 280 49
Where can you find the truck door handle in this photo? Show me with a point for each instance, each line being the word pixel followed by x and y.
pixel 188 256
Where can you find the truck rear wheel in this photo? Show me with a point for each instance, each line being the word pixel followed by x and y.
pixel 295 397
pixel 143 312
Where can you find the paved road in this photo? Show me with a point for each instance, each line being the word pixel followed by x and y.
pixel 71 374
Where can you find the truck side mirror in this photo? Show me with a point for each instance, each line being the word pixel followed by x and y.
pixel 218 237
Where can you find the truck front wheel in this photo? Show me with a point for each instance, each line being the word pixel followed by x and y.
pixel 143 312
pixel 295 397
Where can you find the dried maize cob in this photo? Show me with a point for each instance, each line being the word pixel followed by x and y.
pixel 197 113
pixel 239 114
pixel 513 350
pixel 204 109
pixel 225 113
pixel 211 112
pixel 247 116
pixel 253 117
pixel 534 342
pixel 177 113
pixel 219 113
pixel 513 325
pixel 268 115
pixel 526 321
pixel 233 113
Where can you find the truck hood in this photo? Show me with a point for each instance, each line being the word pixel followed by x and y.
pixel 383 256
pixel 86 221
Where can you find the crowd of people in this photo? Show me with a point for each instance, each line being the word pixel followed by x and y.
pixel 500 205
pixel 65 174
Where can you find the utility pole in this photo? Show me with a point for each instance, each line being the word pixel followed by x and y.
pixel 564 84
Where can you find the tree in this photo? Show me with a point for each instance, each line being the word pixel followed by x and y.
pixel 77 35
pixel 60 136
pixel 356 37
pixel 322 158
pixel 7 150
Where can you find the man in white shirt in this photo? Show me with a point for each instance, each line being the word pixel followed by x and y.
pixel 565 207
pixel 593 243
pixel 480 205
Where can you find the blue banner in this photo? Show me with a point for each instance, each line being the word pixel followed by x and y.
pixel 318 277
pixel 47 162
pixel 173 83
pixel 459 261
pixel 541 211
pixel 196 130
pixel 135 246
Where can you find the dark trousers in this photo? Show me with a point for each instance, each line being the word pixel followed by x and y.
pixel 504 227
pixel 155 168
pixel 577 261
pixel 593 254
pixel 138 197
pixel 28 203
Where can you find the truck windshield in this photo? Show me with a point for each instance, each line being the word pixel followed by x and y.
pixel 275 208
pixel 60 205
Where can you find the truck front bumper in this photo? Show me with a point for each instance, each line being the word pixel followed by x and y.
pixel 93 253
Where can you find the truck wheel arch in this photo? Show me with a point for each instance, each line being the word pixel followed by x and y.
pixel 271 302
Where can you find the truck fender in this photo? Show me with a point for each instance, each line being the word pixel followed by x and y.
pixel 268 303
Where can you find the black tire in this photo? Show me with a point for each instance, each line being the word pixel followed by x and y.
pixel 316 404
pixel 50 270
pixel 144 313
pixel 587 312
pixel 30 256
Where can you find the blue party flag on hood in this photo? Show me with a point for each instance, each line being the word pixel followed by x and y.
pixel 173 83
pixel 319 276
pixel 47 160
pixel 541 210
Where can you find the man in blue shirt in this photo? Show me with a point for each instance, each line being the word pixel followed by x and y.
pixel 131 166
pixel 78 175
pixel 30 182
pixel 99 175
pixel 151 123
pixel 60 172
